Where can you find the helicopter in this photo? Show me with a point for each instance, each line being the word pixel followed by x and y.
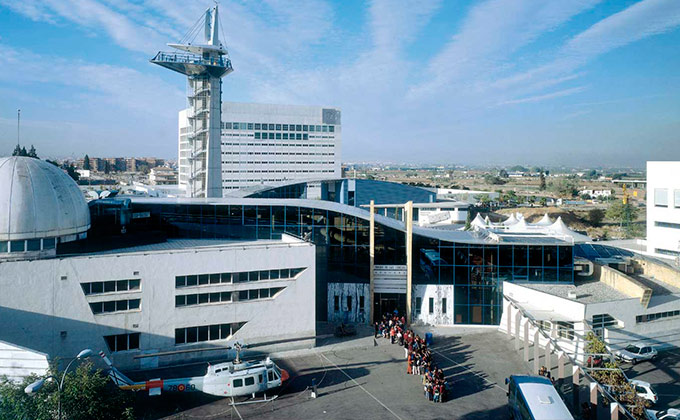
pixel 228 379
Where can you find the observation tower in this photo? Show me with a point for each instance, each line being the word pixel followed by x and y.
pixel 204 64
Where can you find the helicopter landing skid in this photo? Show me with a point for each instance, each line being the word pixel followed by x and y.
pixel 264 399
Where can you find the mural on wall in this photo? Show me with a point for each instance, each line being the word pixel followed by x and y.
pixel 442 304
pixel 348 303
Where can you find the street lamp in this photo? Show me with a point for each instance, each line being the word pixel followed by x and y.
pixel 35 386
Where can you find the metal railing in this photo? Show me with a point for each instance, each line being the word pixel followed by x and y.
pixel 187 58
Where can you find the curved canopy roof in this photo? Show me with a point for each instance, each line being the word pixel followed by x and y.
pixel 39 200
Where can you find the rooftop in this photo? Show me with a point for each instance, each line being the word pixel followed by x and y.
pixel 592 291
pixel 194 245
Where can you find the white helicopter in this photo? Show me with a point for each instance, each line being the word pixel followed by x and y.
pixel 229 379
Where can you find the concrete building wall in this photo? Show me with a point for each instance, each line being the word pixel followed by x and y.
pixel 44 308
pixel 663 221
pixel 663 332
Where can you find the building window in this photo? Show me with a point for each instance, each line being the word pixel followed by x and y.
pixel 565 330
pixel 667 225
pixel 660 197
pixel 431 305
pixel 240 277
pixel 336 303
pixel 545 326
pixel 115 306
pixel 667 252
pixel 443 305
pixel 110 286
pixel 122 342
pixel 361 303
pixel 206 332
pixel 676 199
pixel 419 303
pixel 657 316
pixel 349 303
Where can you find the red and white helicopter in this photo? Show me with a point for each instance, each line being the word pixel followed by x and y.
pixel 229 379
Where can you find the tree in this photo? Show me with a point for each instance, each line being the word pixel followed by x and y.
pixel 86 163
pixel 32 153
pixel 502 173
pixel 543 201
pixel 493 180
pixel 483 199
pixel 622 213
pixel 71 171
pixel 595 216
pixel 87 394
pixel 542 182
pixel 565 188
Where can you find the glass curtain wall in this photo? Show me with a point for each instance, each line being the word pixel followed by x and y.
pixel 342 249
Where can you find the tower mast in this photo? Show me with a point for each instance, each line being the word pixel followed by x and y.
pixel 204 64
pixel 18 128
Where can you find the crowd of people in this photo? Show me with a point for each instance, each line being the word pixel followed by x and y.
pixel 418 355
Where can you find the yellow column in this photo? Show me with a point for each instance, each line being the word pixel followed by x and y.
pixel 408 215
pixel 371 257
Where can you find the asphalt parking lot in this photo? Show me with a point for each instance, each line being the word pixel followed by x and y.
pixel 664 376
pixel 366 379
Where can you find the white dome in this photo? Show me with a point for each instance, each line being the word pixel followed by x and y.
pixel 39 200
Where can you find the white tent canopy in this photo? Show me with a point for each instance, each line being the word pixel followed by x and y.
pixel 478 221
pixel 545 221
pixel 510 220
pixel 560 228
pixel 520 226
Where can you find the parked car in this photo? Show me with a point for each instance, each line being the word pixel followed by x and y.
pixel 635 353
pixel 645 390
pixel 670 414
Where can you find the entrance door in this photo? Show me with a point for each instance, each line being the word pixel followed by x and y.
pixel 387 302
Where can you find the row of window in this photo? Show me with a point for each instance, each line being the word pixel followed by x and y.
pixel 277 170
pixel 206 332
pixel 96 287
pixel 280 136
pixel 667 225
pixel 667 252
pixel 278 127
pixel 225 297
pixel 239 277
pixel 330 171
pixel 661 197
pixel 27 245
pixel 348 302
pixel 287 162
pixel 111 306
pixel 122 342
pixel 655 316
pixel 280 144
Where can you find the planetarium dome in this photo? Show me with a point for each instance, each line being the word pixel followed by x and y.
pixel 40 205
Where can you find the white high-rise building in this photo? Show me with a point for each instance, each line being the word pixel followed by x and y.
pixel 663 208
pixel 264 144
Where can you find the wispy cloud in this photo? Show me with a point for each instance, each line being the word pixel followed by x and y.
pixel 539 98
pixel 493 55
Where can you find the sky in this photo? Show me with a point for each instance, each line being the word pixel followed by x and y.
pixel 498 82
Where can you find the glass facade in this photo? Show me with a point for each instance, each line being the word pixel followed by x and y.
pixel 342 250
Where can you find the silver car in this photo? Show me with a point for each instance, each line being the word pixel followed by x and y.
pixel 634 353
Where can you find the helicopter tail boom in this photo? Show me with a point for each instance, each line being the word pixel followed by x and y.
pixel 117 376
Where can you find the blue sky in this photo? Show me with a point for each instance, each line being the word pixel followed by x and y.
pixel 578 82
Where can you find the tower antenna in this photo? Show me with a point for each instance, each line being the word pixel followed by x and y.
pixel 18 128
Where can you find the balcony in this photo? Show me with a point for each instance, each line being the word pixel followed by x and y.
pixel 194 64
